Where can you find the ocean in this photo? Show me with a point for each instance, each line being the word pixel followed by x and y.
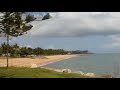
pixel 100 64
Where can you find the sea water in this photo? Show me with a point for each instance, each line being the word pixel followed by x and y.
pixel 100 64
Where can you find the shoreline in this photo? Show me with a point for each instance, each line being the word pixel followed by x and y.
pixel 69 70
pixel 92 75
pixel 56 61
pixel 73 55
pixel 38 62
pixel 35 61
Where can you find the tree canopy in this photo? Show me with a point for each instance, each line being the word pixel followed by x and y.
pixel 47 16
pixel 16 50
pixel 12 24
pixel 30 18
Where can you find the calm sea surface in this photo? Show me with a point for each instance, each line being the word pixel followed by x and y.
pixel 100 64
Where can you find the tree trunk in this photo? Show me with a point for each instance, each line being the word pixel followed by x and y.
pixel 7 51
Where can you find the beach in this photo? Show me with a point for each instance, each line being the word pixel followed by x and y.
pixel 29 62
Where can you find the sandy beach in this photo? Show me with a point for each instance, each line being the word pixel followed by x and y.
pixel 28 62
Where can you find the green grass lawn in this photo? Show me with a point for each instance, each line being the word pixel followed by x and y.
pixel 35 73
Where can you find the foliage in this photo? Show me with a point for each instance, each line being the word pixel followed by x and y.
pixel 47 16
pixel 12 24
pixel 30 18
pixel 15 50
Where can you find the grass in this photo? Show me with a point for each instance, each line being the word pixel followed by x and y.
pixel 13 72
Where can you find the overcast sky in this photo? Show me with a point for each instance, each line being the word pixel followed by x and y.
pixel 97 32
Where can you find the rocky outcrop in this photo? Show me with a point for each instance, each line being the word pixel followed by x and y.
pixel 86 74
pixel 69 71
pixel 66 71
pixel 80 72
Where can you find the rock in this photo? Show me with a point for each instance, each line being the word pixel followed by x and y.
pixel 66 71
pixel 34 66
pixel 81 72
pixel 90 74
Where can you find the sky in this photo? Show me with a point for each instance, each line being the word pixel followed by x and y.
pixel 98 32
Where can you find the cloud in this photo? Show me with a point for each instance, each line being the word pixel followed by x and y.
pixel 114 43
pixel 77 24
